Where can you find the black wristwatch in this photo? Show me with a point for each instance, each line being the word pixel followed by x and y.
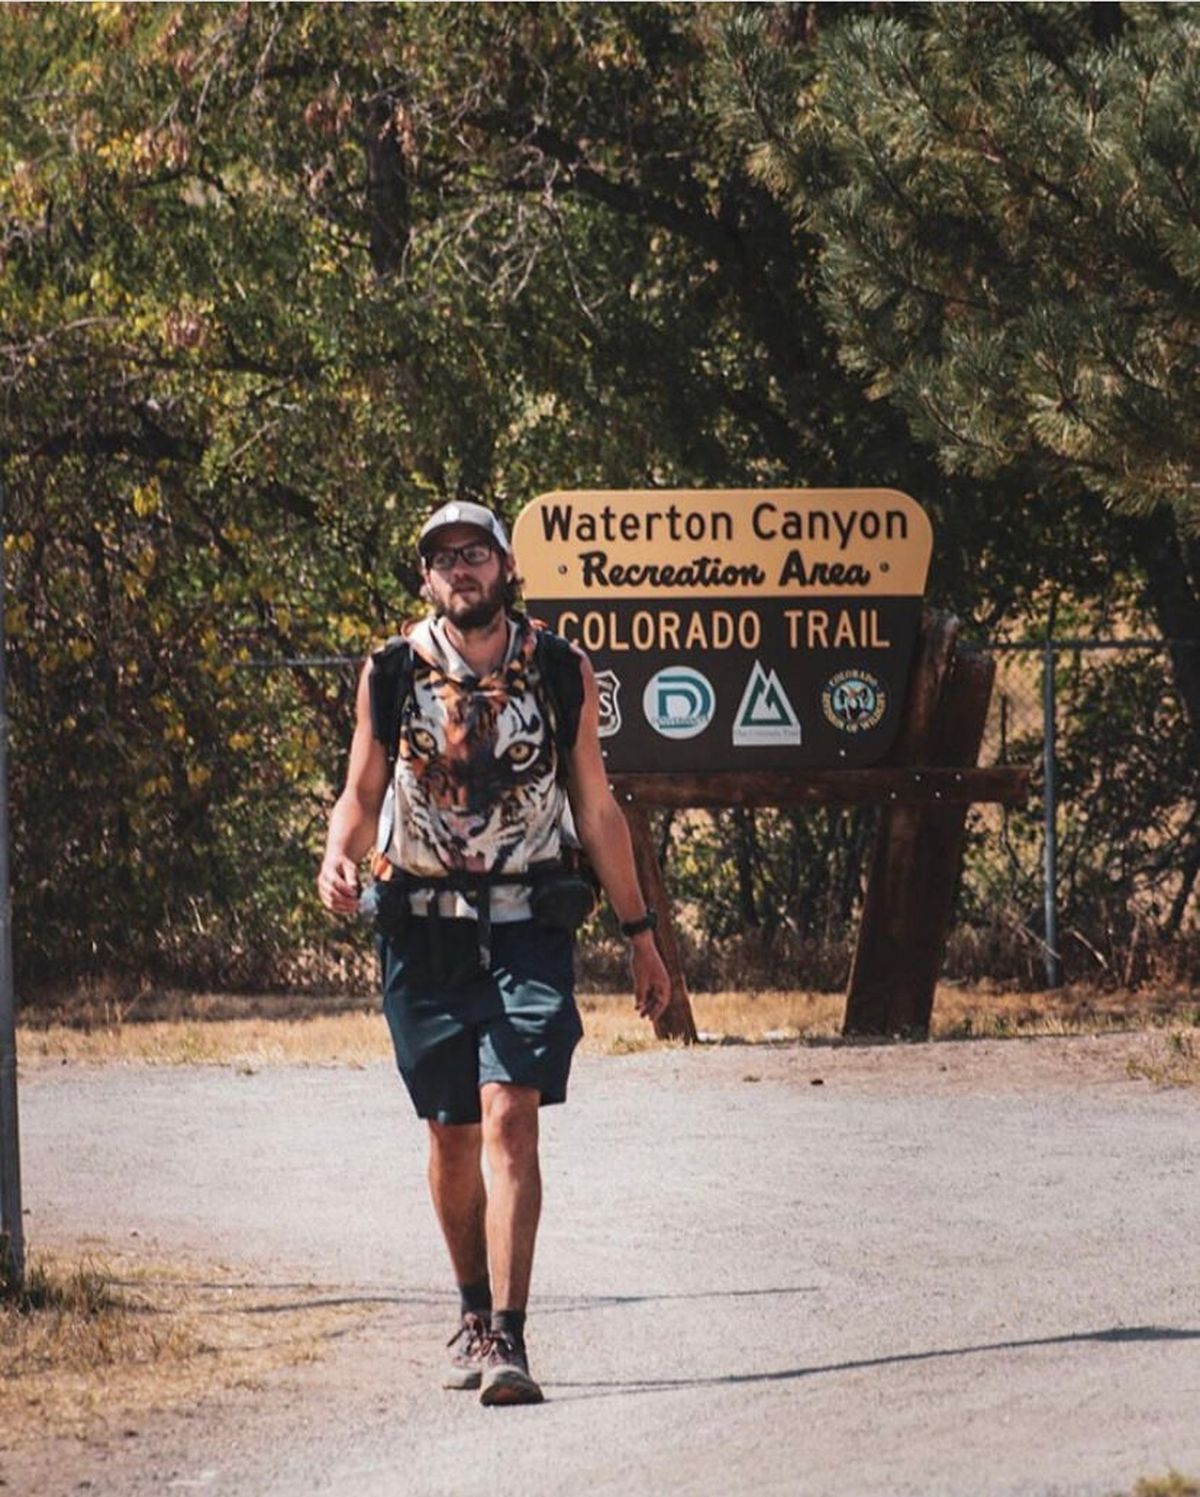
pixel 635 927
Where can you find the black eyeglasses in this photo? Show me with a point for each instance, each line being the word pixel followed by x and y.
pixel 474 553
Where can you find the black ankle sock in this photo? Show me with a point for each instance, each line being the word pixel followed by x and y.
pixel 476 1298
pixel 510 1323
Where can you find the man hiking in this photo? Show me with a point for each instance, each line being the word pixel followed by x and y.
pixel 472 733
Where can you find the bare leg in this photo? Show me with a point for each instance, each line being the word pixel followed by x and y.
pixel 459 1198
pixel 514 1202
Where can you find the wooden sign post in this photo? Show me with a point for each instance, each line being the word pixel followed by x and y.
pixel 768 648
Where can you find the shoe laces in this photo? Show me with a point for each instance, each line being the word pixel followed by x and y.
pixel 501 1347
pixel 478 1337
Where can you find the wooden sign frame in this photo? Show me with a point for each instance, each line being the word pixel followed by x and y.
pixel 925 786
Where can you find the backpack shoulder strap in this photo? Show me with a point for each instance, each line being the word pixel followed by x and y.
pixel 562 673
pixel 390 683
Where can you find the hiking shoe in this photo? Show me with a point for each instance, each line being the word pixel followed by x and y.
pixel 468 1351
pixel 506 1373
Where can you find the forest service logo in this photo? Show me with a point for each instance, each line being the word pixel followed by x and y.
pixel 854 701
pixel 607 687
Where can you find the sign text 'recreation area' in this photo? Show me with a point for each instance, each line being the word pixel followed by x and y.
pixel 751 629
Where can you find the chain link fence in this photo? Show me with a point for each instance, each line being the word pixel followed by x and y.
pixel 1096 876
pixel 204 814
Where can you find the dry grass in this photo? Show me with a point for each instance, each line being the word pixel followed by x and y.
pixel 74 1320
pixel 611 1027
pixel 343 1039
pixel 90 1346
pixel 1172 1060
pixel 959 1013
pixel 1173 1484
pixel 251 1033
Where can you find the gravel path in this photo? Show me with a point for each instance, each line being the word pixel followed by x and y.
pixel 956 1268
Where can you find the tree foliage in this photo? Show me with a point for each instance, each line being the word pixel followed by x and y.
pixel 276 279
pixel 1011 249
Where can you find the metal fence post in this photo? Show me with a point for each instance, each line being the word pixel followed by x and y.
pixel 1050 834
pixel 12 1236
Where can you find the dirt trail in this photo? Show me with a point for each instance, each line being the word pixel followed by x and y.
pixel 945 1269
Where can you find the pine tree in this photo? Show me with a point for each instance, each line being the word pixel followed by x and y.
pixel 1008 202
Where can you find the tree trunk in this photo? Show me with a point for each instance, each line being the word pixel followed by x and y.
pixel 387 186
pixel 745 846
pixel 1172 596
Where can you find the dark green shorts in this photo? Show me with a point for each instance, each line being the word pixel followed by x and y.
pixel 514 1022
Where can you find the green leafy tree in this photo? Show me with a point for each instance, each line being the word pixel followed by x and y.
pixel 276 279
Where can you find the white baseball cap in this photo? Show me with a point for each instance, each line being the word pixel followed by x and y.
pixel 462 513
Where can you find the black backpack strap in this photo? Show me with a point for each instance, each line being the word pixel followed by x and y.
pixel 562 674
pixel 390 683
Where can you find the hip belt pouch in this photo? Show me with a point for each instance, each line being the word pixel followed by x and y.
pixel 391 907
pixel 563 901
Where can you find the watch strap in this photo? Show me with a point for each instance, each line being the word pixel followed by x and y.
pixel 648 921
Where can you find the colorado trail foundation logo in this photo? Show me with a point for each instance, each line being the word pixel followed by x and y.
pixel 764 715
pixel 678 702
pixel 854 701
pixel 607 687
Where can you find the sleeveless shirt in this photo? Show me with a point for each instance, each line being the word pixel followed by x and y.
pixel 475 786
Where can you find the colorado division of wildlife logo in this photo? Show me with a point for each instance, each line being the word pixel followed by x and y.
pixel 607 687
pixel 678 702
pixel 854 701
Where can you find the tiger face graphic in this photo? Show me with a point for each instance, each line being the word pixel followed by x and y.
pixel 476 774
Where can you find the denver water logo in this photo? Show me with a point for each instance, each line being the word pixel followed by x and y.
pixel 678 702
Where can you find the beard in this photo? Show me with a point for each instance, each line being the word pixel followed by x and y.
pixel 476 611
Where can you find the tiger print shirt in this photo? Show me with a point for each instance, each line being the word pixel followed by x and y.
pixel 475 786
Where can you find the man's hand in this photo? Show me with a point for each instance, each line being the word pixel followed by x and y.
pixel 651 984
pixel 337 884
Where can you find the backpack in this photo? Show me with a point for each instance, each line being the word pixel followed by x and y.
pixel 559 671
pixel 564 892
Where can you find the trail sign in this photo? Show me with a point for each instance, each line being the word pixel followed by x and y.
pixel 734 629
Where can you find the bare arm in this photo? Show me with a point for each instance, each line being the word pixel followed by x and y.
pixel 604 833
pixel 355 814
